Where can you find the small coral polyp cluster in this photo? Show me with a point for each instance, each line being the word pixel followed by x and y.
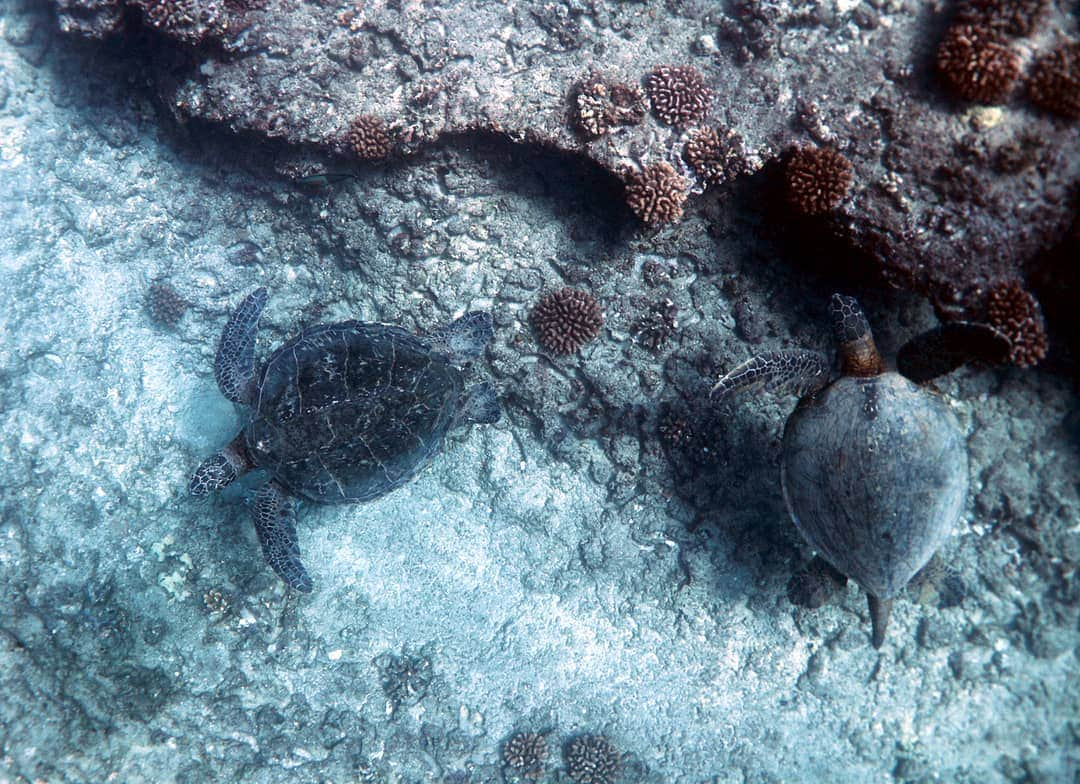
pixel 164 304
pixel 715 154
pixel 369 138
pixel 601 104
pixel 656 194
pixel 567 319
pixel 191 21
pixel 977 64
pixel 525 754
pixel 977 60
pixel 679 94
pixel 590 759
pixel 1016 314
pixel 1054 81
pixel 816 179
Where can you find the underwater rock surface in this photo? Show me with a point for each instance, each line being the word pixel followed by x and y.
pixel 937 180
pixel 609 560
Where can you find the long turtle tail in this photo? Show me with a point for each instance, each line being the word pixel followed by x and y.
pixel 879 618
pixel 234 366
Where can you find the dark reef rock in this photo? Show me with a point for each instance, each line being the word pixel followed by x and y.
pixel 929 193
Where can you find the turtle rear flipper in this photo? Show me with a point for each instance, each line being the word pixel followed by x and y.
pixel 234 366
pixel 943 349
pixel 796 371
pixel 480 406
pixel 220 469
pixel 275 525
pixel 466 337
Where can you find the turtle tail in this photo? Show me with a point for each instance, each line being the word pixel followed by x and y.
pixel 880 610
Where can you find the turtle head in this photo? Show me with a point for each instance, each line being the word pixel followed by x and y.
pixel 857 349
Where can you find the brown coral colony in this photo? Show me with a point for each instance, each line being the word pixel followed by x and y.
pixel 678 94
pixel 716 155
pixel 165 305
pixel 976 64
pixel 1054 82
pixel 656 194
pixel 525 754
pixel 1010 17
pixel 592 759
pixel 1015 313
pixel 567 319
pixel 369 138
pixel 816 179
pixel 600 105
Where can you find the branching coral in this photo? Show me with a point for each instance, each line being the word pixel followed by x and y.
pixel 1054 81
pixel 656 194
pixel 1010 17
pixel 567 319
pixel 976 64
pixel 591 759
pixel 369 138
pixel 164 304
pixel 657 324
pixel 678 94
pixel 1014 312
pixel 525 754
pixel 405 679
pixel 715 154
pixel 600 104
pixel 816 179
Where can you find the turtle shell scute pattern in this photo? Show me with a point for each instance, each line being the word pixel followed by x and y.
pixel 875 475
pixel 349 411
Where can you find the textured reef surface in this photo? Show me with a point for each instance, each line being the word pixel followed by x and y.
pixel 599 587
pixel 939 179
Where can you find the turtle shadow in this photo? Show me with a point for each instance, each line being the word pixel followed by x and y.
pixel 720 462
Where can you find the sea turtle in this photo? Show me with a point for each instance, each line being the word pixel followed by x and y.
pixel 340 413
pixel 874 467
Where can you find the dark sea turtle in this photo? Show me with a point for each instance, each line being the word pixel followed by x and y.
pixel 340 413
pixel 874 467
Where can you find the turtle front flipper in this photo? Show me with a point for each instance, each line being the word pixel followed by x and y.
pixel 275 525
pixel 220 469
pixel 796 371
pixel 943 349
pixel 234 366
pixel 880 609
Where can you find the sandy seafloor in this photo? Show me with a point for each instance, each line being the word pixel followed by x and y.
pixel 541 572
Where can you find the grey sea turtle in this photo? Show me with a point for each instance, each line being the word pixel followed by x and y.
pixel 874 467
pixel 340 413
